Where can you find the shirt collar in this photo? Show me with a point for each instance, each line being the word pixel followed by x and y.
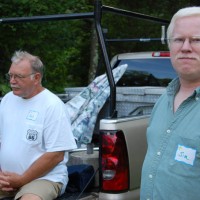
pixel 174 86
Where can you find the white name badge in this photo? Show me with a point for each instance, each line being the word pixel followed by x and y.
pixel 32 115
pixel 185 154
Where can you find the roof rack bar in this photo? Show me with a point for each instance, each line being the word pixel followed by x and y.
pixel 133 39
pixel 47 18
pixel 134 14
pixel 98 15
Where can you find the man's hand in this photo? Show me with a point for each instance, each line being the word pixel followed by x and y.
pixel 10 181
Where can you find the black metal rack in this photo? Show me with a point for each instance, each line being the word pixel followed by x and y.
pixel 96 15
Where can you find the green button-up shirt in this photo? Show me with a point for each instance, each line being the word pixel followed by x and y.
pixel 171 170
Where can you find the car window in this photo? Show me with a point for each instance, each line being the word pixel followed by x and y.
pixel 147 72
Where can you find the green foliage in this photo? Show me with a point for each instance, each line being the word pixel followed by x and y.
pixel 59 43
pixel 125 27
pixel 4 86
pixel 64 46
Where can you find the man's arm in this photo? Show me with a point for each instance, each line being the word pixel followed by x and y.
pixel 39 168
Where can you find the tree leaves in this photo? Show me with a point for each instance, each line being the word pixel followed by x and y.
pixel 64 46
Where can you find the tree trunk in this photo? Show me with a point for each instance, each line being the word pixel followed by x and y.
pixel 93 55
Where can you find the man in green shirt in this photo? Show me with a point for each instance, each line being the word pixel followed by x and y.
pixel 171 169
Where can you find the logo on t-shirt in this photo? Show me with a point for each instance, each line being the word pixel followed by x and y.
pixel 31 135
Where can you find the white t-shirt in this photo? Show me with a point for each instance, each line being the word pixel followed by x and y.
pixel 31 127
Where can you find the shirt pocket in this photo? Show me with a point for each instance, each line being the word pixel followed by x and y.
pixel 185 157
pixel 33 134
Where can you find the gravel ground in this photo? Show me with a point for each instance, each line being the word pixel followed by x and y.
pixel 75 196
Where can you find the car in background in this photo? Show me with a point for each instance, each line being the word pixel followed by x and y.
pixel 145 69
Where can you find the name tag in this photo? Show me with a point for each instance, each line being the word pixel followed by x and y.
pixel 185 154
pixel 32 115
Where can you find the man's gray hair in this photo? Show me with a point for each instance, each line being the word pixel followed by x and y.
pixel 35 61
pixel 184 12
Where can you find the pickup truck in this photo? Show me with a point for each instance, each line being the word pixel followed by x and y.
pixel 122 141
pixel 123 137
pixel 122 122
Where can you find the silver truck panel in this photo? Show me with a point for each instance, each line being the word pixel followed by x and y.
pixel 134 129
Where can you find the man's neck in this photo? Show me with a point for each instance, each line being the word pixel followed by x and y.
pixel 184 92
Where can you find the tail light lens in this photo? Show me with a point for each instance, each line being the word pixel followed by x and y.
pixel 114 168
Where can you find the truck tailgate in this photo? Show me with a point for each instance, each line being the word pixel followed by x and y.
pixel 134 130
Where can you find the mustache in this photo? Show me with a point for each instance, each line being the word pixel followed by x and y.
pixel 14 86
pixel 187 57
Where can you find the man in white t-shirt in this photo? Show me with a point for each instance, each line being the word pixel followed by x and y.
pixel 35 135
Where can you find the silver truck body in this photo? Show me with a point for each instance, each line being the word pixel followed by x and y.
pixel 134 129
pixel 135 105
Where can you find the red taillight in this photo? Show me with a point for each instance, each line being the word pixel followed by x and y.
pixel 160 54
pixel 114 161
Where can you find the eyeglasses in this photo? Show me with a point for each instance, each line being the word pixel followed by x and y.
pixel 179 41
pixel 16 76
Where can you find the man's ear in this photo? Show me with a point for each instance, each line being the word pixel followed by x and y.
pixel 38 77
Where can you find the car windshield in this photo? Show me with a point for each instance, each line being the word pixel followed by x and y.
pixel 147 72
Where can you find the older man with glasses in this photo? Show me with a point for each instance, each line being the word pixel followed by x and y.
pixel 171 168
pixel 35 135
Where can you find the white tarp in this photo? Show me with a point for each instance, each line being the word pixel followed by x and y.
pixel 83 109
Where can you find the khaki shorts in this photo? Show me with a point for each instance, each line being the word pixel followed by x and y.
pixel 46 190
